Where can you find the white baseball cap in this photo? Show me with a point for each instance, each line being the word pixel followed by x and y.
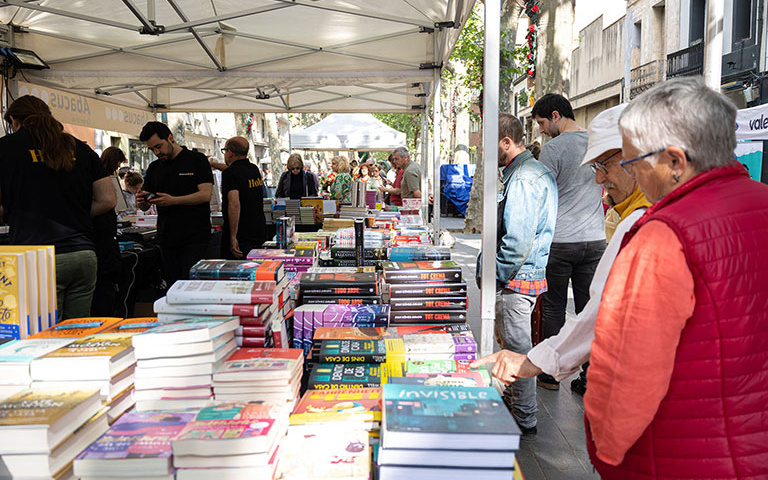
pixel 604 133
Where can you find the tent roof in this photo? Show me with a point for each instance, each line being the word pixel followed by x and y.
pixel 231 55
pixel 348 131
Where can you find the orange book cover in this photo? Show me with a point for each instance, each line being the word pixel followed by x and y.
pixel 78 327
pixel 134 325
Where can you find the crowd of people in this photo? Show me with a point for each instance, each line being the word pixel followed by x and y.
pixel 672 315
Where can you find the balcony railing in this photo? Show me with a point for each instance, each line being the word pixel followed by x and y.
pixel 645 76
pixel 686 62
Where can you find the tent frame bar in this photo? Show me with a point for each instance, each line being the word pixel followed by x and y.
pixel 220 18
pixel 64 13
pixel 194 33
pixel 148 26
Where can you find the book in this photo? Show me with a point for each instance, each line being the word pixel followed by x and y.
pixel 266 270
pixel 210 357
pixel 344 454
pixel 448 458
pixel 14 314
pixel 415 253
pixel 398 472
pixel 161 306
pixel 36 421
pixel 296 256
pixel 95 357
pixel 355 315
pixel 186 331
pixel 351 405
pixel 134 325
pixel 455 328
pixel 330 300
pixel 457 379
pixel 231 428
pixel 78 327
pixel 327 376
pixel 41 284
pixel 397 290
pixel 260 364
pixel 137 444
pixel 416 303
pixel 339 284
pixel 406 317
pixel 446 418
pixel 353 333
pixel 253 342
pixel 252 330
pixel 353 351
pixel 49 464
pixel 435 343
pixel 223 291
pixel 16 356
pixel 186 349
pixel 446 271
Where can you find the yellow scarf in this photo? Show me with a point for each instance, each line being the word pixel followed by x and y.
pixel 632 203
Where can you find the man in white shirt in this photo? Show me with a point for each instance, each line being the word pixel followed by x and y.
pixel 563 354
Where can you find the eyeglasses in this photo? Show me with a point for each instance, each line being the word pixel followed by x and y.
pixel 595 166
pixel 224 150
pixel 633 160
pixel 294 168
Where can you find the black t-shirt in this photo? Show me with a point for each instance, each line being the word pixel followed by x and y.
pixel 297 185
pixel 245 177
pixel 181 224
pixel 45 207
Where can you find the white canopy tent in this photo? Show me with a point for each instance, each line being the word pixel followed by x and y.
pixel 348 131
pixel 230 55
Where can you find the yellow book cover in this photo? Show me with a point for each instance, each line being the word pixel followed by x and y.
pixel 33 288
pixel 98 345
pixel 78 327
pixel 395 364
pixel 14 317
pixel 41 407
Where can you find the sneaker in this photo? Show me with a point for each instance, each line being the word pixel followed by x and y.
pixel 529 431
pixel 548 382
pixel 579 386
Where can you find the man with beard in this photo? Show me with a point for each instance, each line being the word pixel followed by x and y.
pixel 527 212
pixel 179 183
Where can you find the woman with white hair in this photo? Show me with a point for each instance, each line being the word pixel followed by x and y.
pixel 679 364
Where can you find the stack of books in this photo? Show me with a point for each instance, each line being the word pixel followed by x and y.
pixel 295 261
pixel 176 361
pixel 230 441
pixel 347 364
pixel 306 215
pixel 334 224
pixel 103 361
pixel 268 211
pixel 320 238
pixel 372 238
pixel 346 257
pixel 316 203
pixel 262 270
pixel 271 374
pixel 447 433
pixel 350 212
pixel 338 454
pixel 292 208
pixel 284 230
pixel 15 358
pixel 28 290
pixel 426 292
pixel 42 431
pixel 136 446
pixel 340 288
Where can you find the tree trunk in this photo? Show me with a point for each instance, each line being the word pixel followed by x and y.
pixel 510 13
pixel 276 164
pixel 555 42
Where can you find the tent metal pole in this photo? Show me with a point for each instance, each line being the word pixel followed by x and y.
pixel 151 12
pixel 436 112
pixel 64 13
pixel 140 16
pixel 490 175
pixel 360 13
pixel 219 18
pixel 197 36
pixel 424 159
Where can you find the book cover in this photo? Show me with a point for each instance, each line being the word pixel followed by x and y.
pixel 326 376
pixel 41 407
pixel 223 291
pixel 79 327
pixel 457 328
pixel 34 305
pixel 415 253
pixel 252 330
pixel 446 410
pixel 331 300
pixel 137 435
pixel 338 405
pixel 446 271
pixel 97 345
pixel 16 355
pixel 265 270
pixel 397 290
pixel 353 333
pixel 355 315
pixel 353 351
pixel 340 455
pixel 292 256
pixel 335 283
pixel 187 331
pixel 134 325
pixel 414 303
pixel 458 379
pixel 260 363
pixel 435 343
pixel 161 306
pixel 14 314
pixel 406 317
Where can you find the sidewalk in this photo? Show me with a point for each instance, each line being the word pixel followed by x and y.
pixel 559 450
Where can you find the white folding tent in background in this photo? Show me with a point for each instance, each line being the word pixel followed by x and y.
pixel 348 131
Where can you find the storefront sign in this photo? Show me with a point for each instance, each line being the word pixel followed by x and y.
pixel 752 123
pixel 79 110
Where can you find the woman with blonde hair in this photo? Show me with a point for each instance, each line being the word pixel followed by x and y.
pixel 51 184
pixel 341 188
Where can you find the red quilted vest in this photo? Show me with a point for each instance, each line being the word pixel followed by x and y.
pixel 713 422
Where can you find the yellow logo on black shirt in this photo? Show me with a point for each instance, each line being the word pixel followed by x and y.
pixel 37 156
pixel 254 183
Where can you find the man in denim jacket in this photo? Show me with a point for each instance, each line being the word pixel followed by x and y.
pixel 527 212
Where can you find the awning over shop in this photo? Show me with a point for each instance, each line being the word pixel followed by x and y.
pixel 229 55
pixel 348 131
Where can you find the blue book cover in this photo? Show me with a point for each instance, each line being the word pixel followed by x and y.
pixel 454 409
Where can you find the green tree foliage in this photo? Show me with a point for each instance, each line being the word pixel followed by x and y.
pixel 407 123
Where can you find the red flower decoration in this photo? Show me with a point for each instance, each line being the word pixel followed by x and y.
pixel 535 8
pixel 532 28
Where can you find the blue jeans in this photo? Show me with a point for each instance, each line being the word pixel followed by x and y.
pixel 75 282
pixel 513 332
pixel 568 261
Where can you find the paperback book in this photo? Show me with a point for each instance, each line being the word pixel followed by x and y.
pixel 397 290
pixel 161 306
pixel 223 291
pixel 79 327
pixel 265 270
pixel 338 405
pixel 353 351
pixel 416 303
pixel 327 376
pixel 339 284
pixel 408 317
pixel 446 271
